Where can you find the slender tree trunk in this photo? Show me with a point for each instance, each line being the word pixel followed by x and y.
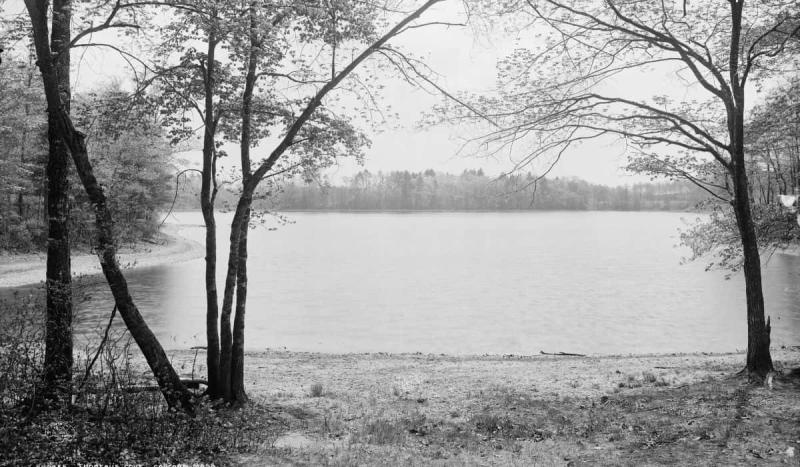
pixel 237 391
pixel 212 310
pixel 207 207
pixel 173 390
pixel 225 336
pixel 237 352
pixel 58 328
pixel 23 146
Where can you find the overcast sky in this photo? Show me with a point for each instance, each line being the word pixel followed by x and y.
pixel 465 61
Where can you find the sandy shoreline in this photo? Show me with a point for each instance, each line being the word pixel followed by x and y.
pixel 289 374
pixel 170 247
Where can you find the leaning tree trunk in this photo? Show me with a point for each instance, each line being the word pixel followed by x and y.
pixel 171 386
pixel 58 325
pixel 173 390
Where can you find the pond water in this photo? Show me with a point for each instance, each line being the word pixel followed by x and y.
pixel 467 283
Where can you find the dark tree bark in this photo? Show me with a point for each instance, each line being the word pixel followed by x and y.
pixel 225 335
pixel 173 390
pixel 759 360
pixel 237 392
pixel 58 328
pixel 207 195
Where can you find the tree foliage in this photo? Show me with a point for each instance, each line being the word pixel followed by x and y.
pixel 133 160
pixel 23 136
pixel 773 149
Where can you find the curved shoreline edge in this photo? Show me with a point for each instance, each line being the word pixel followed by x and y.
pixel 29 269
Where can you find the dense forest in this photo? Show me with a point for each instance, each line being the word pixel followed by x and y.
pixel 472 190
pixel 133 160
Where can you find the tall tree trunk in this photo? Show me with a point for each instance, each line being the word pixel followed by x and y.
pixel 173 390
pixel 207 195
pixel 759 361
pixel 237 391
pixel 58 328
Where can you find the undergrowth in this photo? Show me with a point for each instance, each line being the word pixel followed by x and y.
pixel 115 417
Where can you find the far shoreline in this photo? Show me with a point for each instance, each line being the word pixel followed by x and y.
pixel 454 211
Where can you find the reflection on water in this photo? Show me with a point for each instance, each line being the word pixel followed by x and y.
pixel 466 283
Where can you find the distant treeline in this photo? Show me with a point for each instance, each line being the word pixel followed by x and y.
pixel 472 190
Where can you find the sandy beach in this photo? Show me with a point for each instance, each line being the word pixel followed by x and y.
pixel 441 379
pixel 169 247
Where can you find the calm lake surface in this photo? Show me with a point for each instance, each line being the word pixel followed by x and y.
pixel 467 283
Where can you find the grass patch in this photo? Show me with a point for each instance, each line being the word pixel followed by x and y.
pixel 316 390
pixel 383 432
pixel 712 422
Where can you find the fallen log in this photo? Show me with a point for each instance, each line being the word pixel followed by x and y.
pixel 562 354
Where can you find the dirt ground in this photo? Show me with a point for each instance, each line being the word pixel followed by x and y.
pixel 413 409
